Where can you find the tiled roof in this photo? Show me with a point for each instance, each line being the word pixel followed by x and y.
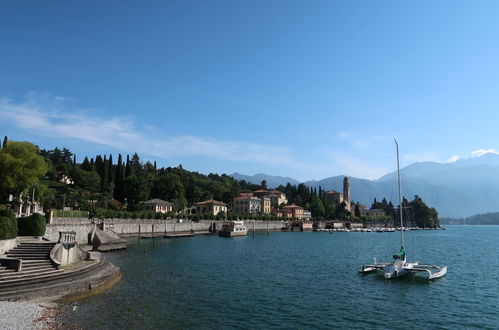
pixel 157 201
pixel 332 192
pixel 292 206
pixel 241 198
pixel 211 201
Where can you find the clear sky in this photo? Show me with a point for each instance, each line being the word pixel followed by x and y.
pixel 307 89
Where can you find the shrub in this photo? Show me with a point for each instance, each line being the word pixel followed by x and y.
pixel 8 213
pixel 8 227
pixel 34 225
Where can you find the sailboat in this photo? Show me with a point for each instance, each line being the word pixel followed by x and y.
pixel 399 266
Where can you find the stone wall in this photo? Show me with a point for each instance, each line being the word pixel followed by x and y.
pixel 144 227
pixel 7 244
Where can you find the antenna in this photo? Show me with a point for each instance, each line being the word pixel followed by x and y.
pixel 400 197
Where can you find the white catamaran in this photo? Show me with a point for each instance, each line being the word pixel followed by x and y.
pixel 399 266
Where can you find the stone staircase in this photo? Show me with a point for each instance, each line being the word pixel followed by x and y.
pixel 39 279
pixel 36 263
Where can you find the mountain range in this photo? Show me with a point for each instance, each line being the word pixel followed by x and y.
pixel 460 189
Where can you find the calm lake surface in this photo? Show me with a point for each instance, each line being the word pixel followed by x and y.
pixel 299 280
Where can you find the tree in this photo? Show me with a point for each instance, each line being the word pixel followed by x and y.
pixel 119 184
pixel 20 167
pixel 423 215
pixel 170 188
pixel 263 184
pixel 136 191
pixel 316 207
pixel 341 212
pixel 5 141
pixel 357 210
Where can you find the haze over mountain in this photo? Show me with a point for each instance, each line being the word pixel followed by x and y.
pixel 459 189
pixel 272 180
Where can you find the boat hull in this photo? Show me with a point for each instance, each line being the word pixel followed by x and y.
pixel 223 233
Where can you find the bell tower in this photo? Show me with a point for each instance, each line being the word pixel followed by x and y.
pixel 346 192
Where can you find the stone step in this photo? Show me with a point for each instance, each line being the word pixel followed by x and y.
pixel 27 289
pixel 31 271
pixel 31 258
pixel 36 243
pixel 35 262
pixel 28 255
pixel 34 268
pixel 34 248
pixel 28 276
pixel 23 252
pixel 37 246
pixel 6 271
pixel 27 263
pixel 28 251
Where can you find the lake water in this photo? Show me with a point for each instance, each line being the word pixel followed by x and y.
pixel 298 281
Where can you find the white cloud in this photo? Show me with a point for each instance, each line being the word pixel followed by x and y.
pixel 51 117
pixel 453 159
pixel 481 152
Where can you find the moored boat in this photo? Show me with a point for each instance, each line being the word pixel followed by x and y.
pixel 399 266
pixel 233 229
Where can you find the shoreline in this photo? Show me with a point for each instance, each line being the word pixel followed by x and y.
pixel 29 315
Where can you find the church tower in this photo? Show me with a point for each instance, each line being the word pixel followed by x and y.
pixel 346 192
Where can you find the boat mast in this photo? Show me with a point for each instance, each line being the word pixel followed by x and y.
pixel 400 197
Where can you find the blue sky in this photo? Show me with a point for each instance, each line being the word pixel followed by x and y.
pixel 307 89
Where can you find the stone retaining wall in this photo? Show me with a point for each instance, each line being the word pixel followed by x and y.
pixel 144 227
pixel 7 244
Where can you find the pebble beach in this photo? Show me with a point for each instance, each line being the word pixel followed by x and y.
pixel 26 315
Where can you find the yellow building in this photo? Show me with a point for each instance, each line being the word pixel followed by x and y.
pixel 293 211
pixel 266 205
pixel 247 205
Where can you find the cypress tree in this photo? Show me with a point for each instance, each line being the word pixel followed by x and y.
pixel 86 166
pixel 119 184
pixel 74 160
pixel 105 175
pixel 128 170
pixel 5 141
pixel 110 170
pixel 98 165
